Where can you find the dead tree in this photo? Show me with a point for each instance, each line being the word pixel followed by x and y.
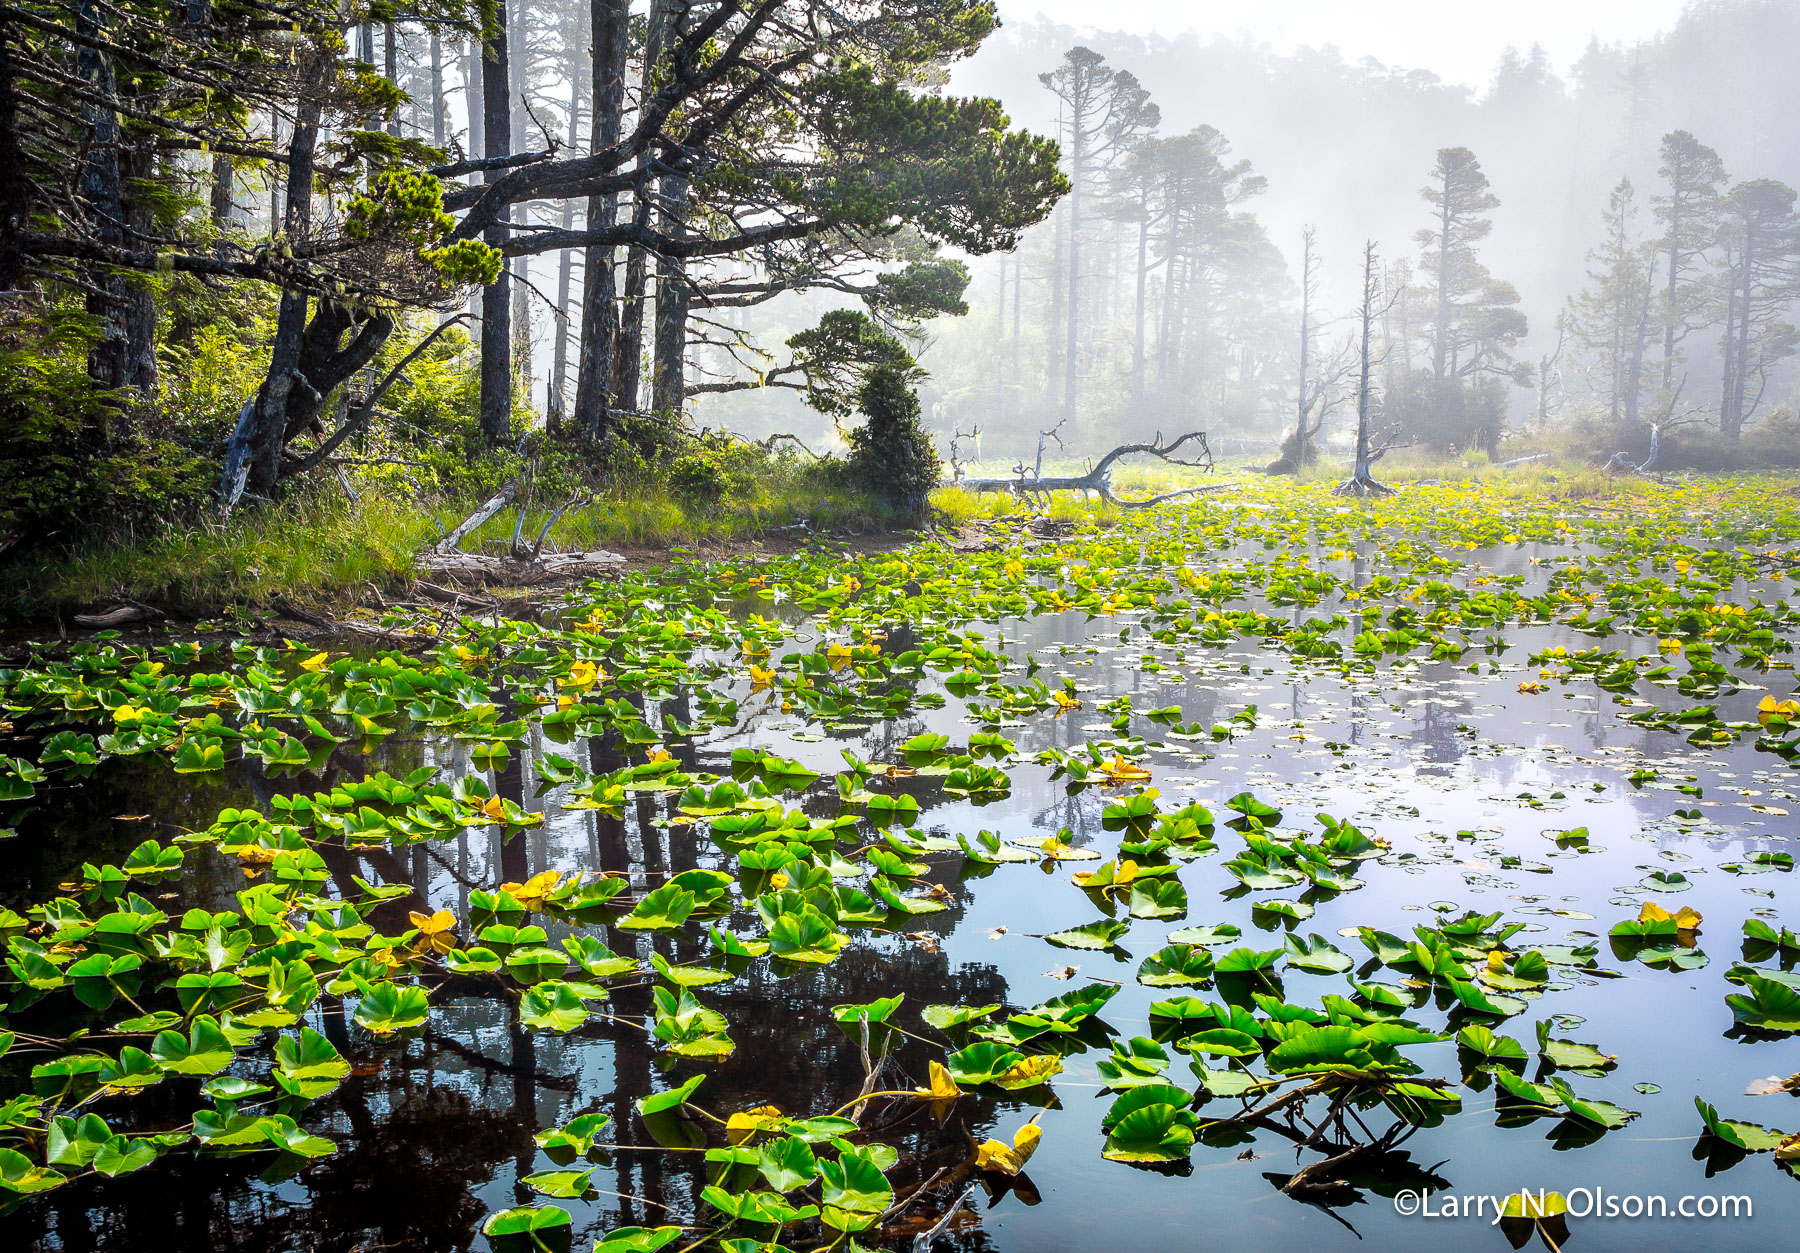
pixel 1370 446
pixel 1668 420
pixel 1297 449
pixel 1099 479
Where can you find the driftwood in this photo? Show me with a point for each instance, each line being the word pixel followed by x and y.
pixel 488 508
pixel 481 569
pixel 122 616
pixel 522 565
pixel 1031 482
pixel 1521 461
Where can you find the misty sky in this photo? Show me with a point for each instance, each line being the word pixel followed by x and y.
pixel 1460 40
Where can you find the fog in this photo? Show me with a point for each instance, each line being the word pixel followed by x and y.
pixel 1343 115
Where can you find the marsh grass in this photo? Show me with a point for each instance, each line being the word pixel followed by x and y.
pixel 325 552
pixel 321 552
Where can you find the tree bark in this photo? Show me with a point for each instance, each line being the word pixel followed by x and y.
pixel 101 188
pixel 253 453
pixel 224 180
pixel 1143 287
pixel 597 365
pixel 1072 336
pixel 496 301
pixel 437 90
pixel 668 387
pixel 627 362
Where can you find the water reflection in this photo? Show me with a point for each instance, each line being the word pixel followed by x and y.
pixel 436 1131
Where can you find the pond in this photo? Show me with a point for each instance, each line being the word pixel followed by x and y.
pixel 1419 844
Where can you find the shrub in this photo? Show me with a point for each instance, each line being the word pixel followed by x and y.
pixel 713 472
pixel 891 456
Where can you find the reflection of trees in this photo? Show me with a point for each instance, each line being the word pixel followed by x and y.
pixel 437 1119
pixel 414 1145
pixel 1435 728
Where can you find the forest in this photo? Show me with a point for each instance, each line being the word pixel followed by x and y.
pixel 746 626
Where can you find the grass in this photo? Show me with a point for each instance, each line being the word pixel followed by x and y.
pixel 324 553
pixel 307 552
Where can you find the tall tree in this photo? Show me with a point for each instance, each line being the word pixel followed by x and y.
pixel 1760 277
pixel 1612 314
pixel 1459 198
pixel 1370 310
pixel 1688 210
pixel 496 302
pixel 597 369
pixel 556 399
pixel 1105 112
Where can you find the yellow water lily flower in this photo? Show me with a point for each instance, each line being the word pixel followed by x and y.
pixel 1010 1160
pixel 746 1125
pixel 1121 771
pixel 532 892
pixel 435 932
pixel 1772 708
pixel 582 676
pixel 1687 919
pixel 940 1086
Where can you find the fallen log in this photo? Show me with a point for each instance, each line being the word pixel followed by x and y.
pixel 121 616
pixel 483 570
pixel 1099 479
pixel 488 508
pixel 520 567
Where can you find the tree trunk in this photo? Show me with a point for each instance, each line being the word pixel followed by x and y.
pixel 496 301
pixel 139 302
pixel 15 207
pixel 556 401
pixel 1301 441
pixel 1362 478
pixel 1143 285
pixel 473 104
pixel 1440 353
pixel 253 453
pixel 597 381
pixel 1072 337
pixel 437 90
pixel 100 187
pixel 391 71
pixel 668 384
pixel 1733 427
pixel 627 363
pixel 1171 259
pixel 224 178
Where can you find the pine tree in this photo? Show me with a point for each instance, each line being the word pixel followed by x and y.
pixel 1760 277
pixel 1613 312
pixel 1106 112
pixel 1475 320
pixel 1688 210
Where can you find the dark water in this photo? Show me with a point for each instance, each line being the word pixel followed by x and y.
pixel 435 1131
